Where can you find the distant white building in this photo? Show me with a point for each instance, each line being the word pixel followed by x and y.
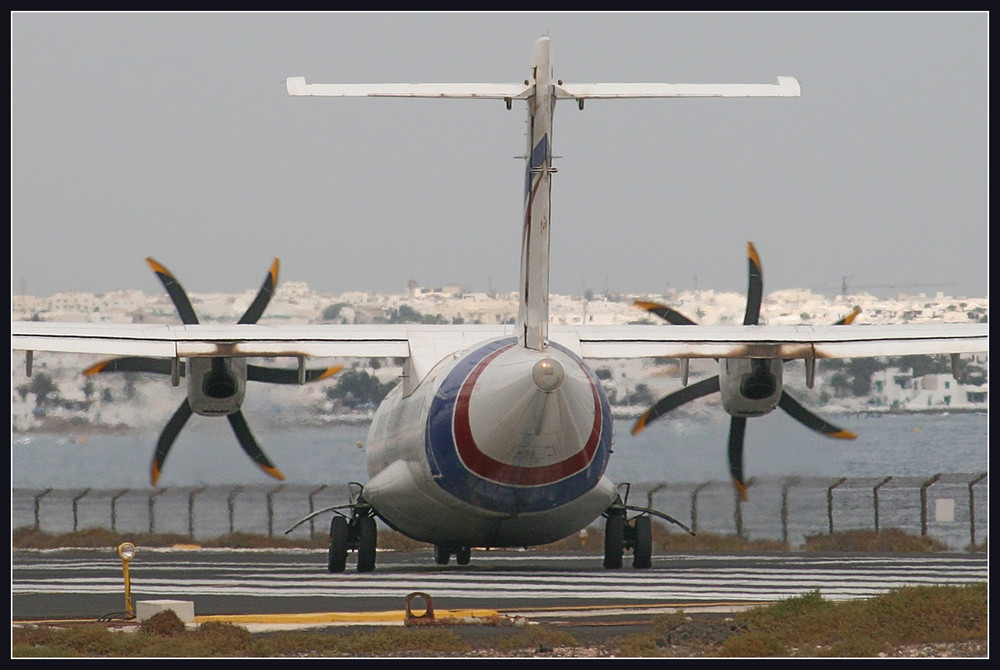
pixel 894 390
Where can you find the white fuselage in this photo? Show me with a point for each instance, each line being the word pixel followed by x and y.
pixel 499 446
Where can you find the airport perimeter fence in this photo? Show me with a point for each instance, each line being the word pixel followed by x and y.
pixel 950 508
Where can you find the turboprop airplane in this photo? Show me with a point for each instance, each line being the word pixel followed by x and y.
pixel 499 436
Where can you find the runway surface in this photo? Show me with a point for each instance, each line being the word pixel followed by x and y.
pixel 291 588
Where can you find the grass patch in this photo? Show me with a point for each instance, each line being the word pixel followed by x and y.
pixel 715 542
pixel 808 625
pixel 538 639
pixel 100 538
pixel 30 538
pixel 891 540
pixel 164 635
pixel 888 541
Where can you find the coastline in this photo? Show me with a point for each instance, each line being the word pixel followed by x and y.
pixel 78 426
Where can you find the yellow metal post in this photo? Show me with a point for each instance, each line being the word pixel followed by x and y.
pixel 126 550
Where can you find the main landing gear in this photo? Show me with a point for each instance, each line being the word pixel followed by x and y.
pixel 359 533
pixel 621 534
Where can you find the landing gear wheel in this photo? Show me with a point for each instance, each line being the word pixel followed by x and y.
pixel 463 555
pixel 367 541
pixel 337 558
pixel 614 540
pixel 642 553
pixel 441 555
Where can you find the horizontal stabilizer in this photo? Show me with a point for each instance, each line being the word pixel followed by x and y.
pixel 298 86
pixel 787 87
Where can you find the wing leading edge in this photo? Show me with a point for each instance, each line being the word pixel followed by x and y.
pixel 436 341
pixel 787 342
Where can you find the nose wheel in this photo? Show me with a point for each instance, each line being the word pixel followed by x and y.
pixel 443 554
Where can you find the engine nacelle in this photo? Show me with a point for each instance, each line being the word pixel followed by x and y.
pixel 750 386
pixel 216 386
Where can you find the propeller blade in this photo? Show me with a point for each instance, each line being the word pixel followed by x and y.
pixel 666 313
pixel 810 420
pixel 755 290
pixel 256 373
pixel 259 303
pixel 176 293
pixel 160 366
pixel 846 321
pixel 250 446
pixel 737 430
pixel 167 437
pixel 675 399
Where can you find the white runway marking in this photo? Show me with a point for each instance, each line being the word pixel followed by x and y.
pixel 703 578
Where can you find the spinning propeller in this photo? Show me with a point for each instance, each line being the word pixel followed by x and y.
pixel 749 387
pixel 216 386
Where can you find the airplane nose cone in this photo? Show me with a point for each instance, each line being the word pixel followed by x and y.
pixel 548 374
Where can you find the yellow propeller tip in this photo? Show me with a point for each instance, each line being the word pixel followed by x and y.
pixel 752 253
pixel 159 269
pixel 741 489
pixel 330 371
pixel 96 368
pixel 844 435
pixel 647 305
pixel 274 472
pixel 274 272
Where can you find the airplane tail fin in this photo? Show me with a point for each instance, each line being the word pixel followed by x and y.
pixel 533 310
pixel 541 91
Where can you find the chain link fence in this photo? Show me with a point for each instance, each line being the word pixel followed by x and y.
pixel 951 508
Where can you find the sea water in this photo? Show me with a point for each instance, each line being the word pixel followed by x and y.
pixel 691 448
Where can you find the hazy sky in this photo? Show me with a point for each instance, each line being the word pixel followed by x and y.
pixel 172 136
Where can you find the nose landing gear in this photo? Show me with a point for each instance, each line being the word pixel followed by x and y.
pixel 359 533
pixel 443 554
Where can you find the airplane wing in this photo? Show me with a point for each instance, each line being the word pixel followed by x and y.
pixel 422 346
pixel 786 342
pixel 436 341
pixel 207 340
